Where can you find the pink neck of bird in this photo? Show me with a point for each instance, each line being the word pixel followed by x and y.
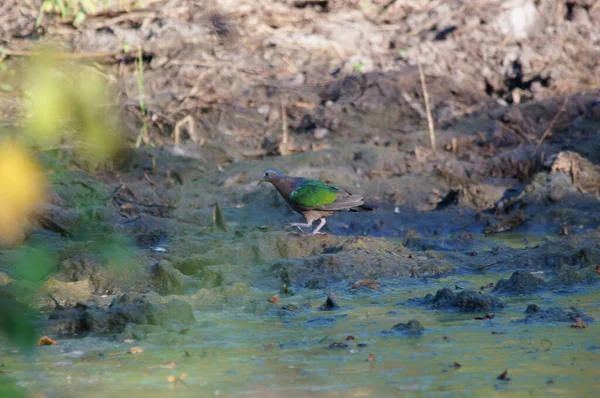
pixel 284 186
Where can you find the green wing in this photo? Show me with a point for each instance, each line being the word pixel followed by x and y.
pixel 312 193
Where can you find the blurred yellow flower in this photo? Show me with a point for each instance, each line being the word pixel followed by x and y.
pixel 21 188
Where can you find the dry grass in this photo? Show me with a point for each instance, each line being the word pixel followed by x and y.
pixel 427 106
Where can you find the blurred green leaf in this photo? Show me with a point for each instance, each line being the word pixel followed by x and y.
pixel 32 263
pixel 48 108
pixel 68 102
pixel 9 388
pixel 17 325
pixel 79 18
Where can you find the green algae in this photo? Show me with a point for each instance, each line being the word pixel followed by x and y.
pixel 247 349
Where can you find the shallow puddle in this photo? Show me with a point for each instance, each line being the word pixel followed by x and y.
pixel 252 353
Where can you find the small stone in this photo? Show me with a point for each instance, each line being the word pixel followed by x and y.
pixel 465 301
pixel 554 314
pixel 320 133
pixel 520 282
pixel 411 328
pixel 264 109
pixel 329 305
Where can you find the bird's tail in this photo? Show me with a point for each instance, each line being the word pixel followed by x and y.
pixel 364 207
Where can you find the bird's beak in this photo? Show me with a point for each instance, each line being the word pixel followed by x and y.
pixel 259 182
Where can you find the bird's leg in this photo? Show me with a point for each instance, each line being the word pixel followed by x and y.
pixel 315 231
pixel 299 225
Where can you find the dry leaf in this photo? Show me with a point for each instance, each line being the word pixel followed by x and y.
pixel 45 340
pixel 578 324
pixel 175 379
pixel 274 299
pixel 135 350
pixel 368 283
pixel 371 358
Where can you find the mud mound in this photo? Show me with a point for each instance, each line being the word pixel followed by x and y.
pixel 463 301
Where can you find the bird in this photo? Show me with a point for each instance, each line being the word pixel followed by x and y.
pixel 313 199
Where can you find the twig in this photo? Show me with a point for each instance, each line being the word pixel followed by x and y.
pixel 64 55
pixel 114 192
pixel 217 65
pixel 383 9
pixel 56 303
pixel 140 80
pixel 516 131
pixel 304 105
pixel 428 25
pixel 153 188
pixel 188 121
pixel 284 127
pixel 427 108
pixel 548 130
pixel 283 147
pixel 117 17
pixel 220 118
pixel 289 63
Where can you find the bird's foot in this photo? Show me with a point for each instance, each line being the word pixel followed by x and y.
pixel 313 233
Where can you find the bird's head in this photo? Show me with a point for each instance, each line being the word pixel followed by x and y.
pixel 271 175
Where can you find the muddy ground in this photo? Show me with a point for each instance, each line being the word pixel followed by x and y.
pixel 512 183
